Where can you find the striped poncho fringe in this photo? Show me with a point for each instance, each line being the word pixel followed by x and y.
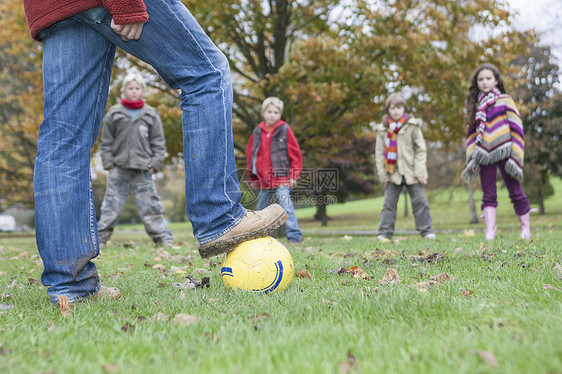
pixel 502 138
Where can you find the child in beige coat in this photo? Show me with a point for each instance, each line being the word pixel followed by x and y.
pixel 401 161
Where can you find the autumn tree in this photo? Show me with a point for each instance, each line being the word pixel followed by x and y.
pixel 20 105
pixel 541 113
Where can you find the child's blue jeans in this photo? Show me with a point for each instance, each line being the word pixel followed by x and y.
pixel 78 55
pixel 283 194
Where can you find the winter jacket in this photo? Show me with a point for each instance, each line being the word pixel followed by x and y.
pixel 44 13
pixel 412 153
pixel 274 156
pixel 132 143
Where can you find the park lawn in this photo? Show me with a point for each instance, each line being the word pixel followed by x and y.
pixel 498 311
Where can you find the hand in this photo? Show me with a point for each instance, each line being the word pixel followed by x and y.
pixel 129 31
pixel 384 185
pixel 292 183
pixel 422 180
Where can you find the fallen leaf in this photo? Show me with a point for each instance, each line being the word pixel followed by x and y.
pixel 391 276
pixel 110 368
pixel 64 306
pixel 159 267
pixel 441 278
pixel 160 317
pixel 357 272
pixel 347 237
pixel 457 250
pixel 423 286
pixel 421 252
pixel 182 295
pixel 349 365
pixel 185 319
pixel 158 259
pixel 128 327
pixel 303 274
pixel 465 293
pixel 2 273
pixel 557 267
pixel 6 306
pixel 469 232
pixel 488 357
pixel 551 287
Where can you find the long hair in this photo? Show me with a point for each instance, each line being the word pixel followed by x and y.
pixel 473 91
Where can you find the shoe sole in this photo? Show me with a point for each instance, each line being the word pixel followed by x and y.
pixel 228 244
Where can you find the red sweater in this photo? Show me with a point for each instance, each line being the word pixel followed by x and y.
pixel 266 179
pixel 43 13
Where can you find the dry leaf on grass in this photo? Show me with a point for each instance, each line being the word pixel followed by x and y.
pixel 64 306
pixel 465 293
pixel 159 267
pixel 303 274
pixel 349 365
pixel 469 232
pixel 185 319
pixel 357 272
pixel 347 237
pixel 457 250
pixel 551 287
pixel 110 368
pixel 442 278
pixel 488 357
pixel 160 317
pixel 391 276
pixel 127 327
pixel 557 267
pixel 424 286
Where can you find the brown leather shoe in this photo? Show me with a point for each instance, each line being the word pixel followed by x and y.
pixel 255 224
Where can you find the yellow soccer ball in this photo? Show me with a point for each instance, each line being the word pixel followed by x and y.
pixel 259 265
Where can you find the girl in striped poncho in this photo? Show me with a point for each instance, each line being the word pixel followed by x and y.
pixel 494 140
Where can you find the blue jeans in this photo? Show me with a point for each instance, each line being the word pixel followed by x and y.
pixel 78 55
pixel 283 194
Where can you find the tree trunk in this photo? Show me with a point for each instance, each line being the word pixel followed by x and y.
pixel 472 206
pixel 405 202
pixel 321 214
pixel 541 201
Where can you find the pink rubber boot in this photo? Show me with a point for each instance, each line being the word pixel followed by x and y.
pixel 525 226
pixel 490 221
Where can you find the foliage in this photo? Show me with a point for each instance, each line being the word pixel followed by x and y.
pixel 20 104
pixel 541 112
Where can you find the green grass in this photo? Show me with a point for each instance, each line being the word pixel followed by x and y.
pixel 496 304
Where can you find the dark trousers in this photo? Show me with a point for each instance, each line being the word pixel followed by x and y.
pixel 490 197
pixel 420 207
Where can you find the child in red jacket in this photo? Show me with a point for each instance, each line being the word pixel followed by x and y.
pixel 275 163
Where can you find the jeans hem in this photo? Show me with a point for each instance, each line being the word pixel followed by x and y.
pixel 227 229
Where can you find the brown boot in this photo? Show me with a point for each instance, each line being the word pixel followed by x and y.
pixel 255 224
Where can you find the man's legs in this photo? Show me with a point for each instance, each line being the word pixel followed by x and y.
pixel 184 56
pixel 388 214
pixel 292 229
pixel 116 192
pixel 77 66
pixel 150 207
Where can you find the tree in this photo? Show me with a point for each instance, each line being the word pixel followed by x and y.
pixel 20 104
pixel 541 113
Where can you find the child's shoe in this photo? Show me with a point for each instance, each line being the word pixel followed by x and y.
pixel 255 224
